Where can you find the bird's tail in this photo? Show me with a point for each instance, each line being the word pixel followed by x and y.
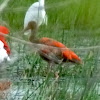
pixel 71 56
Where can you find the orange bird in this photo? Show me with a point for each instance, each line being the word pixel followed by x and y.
pixel 53 51
pixel 61 52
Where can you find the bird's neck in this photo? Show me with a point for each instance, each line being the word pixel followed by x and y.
pixel 41 2
pixel 33 38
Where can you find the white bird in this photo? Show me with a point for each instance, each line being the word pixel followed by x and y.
pixel 3 53
pixel 36 13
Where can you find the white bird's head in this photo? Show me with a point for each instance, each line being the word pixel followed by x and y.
pixel 41 2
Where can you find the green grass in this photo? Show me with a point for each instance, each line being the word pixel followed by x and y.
pixel 72 22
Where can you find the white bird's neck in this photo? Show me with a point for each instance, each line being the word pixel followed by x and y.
pixel 41 2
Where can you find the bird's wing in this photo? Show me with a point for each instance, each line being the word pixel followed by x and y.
pixel 51 55
pixel 31 14
pixel 34 5
pixel 45 20
pixel 55 58
pixel 51 42
pixel 45 17
pixel 71 56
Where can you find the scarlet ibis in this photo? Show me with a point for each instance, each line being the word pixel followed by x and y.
pixel 4 48
pixel 37 13
pixel 54 51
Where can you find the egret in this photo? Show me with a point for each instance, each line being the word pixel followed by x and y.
pixel 4 48
pixel 37 13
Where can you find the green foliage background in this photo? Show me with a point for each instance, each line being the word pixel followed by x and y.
pixel 72 22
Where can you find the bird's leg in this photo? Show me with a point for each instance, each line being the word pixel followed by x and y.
pixel 2 95
pixel 49 68
pixel 56 75
pixel 50 65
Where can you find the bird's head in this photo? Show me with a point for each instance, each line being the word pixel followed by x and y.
pixel 33 26
pixel 41 2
